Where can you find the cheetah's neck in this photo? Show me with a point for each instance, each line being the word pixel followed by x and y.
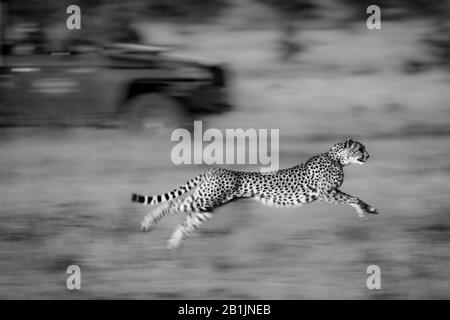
pixel 335 156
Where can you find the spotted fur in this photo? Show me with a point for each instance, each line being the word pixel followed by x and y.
pixel 316 179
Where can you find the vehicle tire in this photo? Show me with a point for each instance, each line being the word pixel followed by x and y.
pixel 154 111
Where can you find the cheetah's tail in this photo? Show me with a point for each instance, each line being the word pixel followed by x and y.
pixel 156 199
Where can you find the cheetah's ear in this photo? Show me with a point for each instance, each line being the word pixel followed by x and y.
pixel 349 142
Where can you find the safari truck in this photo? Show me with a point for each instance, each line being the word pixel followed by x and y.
pixel 119 82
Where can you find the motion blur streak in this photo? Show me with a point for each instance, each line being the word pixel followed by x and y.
pixel 321 77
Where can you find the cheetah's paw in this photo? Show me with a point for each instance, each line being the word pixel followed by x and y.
pixel 146 225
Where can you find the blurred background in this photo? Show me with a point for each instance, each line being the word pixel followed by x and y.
pixel 86 117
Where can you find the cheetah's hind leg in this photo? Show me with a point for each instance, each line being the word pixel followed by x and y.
pixel 192 221
pixel 156 215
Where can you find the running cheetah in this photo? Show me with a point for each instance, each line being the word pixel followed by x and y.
pixel 316 179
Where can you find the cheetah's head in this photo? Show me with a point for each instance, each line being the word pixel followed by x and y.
pixel 350 151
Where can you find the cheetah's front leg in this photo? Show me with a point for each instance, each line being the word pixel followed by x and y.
pixel 337 196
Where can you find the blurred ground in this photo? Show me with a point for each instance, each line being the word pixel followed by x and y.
pixel 65 192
